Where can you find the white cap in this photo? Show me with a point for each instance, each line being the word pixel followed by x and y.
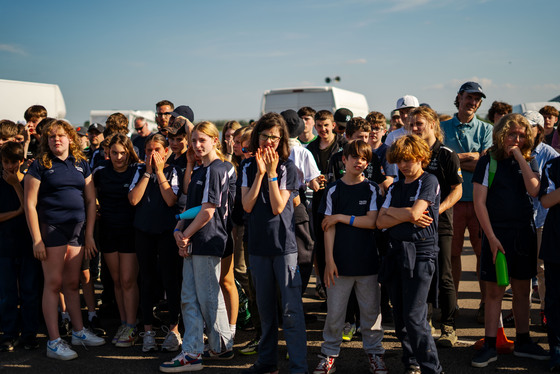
pixel 534 118
pixel 407 101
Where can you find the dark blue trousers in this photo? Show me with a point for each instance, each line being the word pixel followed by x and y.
pixel 19 285
pixel 409 297
pixel 552 302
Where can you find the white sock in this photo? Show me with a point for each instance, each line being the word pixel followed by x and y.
pixel 91 315
pixel 64 315
pixel 53 342
pixel 232 328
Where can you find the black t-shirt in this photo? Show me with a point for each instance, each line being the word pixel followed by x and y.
pixel 61 193
pixel 180 162
pixel 551 234
pixel 140 143
pixel 446 167
pixel 508 203
pixel 404 195
pixel 210 184
pixel 354 250
pixel 152 213
pixel 269 234
pixel 15 240
pixel 112 193
pixel 336 169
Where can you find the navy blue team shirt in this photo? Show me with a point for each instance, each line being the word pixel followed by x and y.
pixel 354 250
pixel 210 184
pixel 61 193
pixel 550 181
pixel 269 234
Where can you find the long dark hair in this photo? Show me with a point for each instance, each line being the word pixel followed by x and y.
pixel 266 122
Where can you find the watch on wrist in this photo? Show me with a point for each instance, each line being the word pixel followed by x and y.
pixel 147 175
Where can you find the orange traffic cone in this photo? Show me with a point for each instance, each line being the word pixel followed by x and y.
pixel 503 344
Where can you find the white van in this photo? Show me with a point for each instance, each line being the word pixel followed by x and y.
pixel 522 108
pixel 17 96
pixel 100 116
pixel 318 98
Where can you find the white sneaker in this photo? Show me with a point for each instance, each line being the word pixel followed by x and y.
pixel 120 331
pixel 60 350
pixel 149 341
pixel 172 342
pixel 86 338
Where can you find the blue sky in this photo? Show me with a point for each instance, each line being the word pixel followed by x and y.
pixel 219 56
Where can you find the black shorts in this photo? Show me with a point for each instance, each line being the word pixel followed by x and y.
pixel 63 234
pixel 116 239
pixel 229 245
pixel 520 245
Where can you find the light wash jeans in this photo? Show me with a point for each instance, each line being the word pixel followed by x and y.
pixel 270 273
pixel 202 302
pixel 368 293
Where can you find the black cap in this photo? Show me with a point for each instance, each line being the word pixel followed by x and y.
pixel 472 87
pixel 343 115
pixel 81 131
pixel 295 124
pixel 97 127
pixel 183 111
pixel 177 125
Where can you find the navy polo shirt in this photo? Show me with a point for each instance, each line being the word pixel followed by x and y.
pixel 210 184
pixel 386 167
pixel 112 193
pixel 354 250
pixel 152 213
pixel 404 195
pixel 269 234
pixel 551 234
pixel 15 238
pixel 508 203
pixel 61 193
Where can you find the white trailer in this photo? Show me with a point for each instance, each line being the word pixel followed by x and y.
pixel 17 96
pixel 536 106
pixel 318 98
pixel 100 116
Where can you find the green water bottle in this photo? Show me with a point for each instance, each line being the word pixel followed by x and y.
pixel 501 269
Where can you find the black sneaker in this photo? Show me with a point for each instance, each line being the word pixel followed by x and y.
pixel 95 326
pixel 64 328
pixel 484 356
pixel 251 348
pixel 530 350
pixel 29 342
pixel 261 369
pixel 7 344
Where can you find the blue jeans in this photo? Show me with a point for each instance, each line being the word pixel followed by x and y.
pixel 409 297
pixel 24 271
pixel 202 302
pixel 268 273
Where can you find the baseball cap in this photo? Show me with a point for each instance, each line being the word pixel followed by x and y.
pixel 395 113
pixel 97 127
pixel 534 118
pixel 407 101
pixel 81 131
pixel 183 111
pixel 177 125
pixel 343 115
pixel 471 87
pixel 294 123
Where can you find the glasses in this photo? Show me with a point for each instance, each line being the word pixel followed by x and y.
pixel 272 138
pixel 516 136
pixel 138 128
pixel 163 114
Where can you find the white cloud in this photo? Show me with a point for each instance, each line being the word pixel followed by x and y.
pixel 405 5
pixel 12 49
pixel 357 61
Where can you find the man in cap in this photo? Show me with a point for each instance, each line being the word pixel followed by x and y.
pixel 469 137
pixel 84 139
pixel 95 135
pixel 404 105
pixel 341 117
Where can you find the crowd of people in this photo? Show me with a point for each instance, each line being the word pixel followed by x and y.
pixel 199 219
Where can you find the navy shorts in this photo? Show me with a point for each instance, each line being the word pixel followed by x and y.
pixel 520 245
pixel 63 234
pixel 116 239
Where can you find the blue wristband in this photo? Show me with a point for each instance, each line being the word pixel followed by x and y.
pixel 352 220
pixel 177 230
pixel 273 179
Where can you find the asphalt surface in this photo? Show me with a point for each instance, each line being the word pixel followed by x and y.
pixel 109 359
